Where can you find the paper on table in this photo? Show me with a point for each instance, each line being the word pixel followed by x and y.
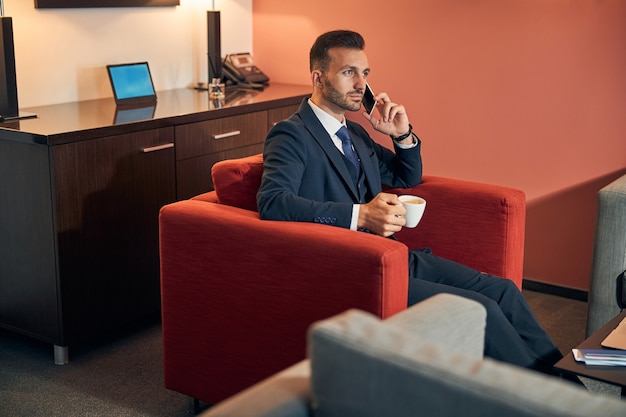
pixel 617 338
pixel 606 357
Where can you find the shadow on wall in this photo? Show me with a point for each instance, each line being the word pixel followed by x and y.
pixel 559 234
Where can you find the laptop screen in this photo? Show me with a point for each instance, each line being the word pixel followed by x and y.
pixel 132 83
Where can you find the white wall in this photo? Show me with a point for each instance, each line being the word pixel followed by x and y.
pixel 61 54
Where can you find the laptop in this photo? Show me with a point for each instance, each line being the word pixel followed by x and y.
pixel 132 84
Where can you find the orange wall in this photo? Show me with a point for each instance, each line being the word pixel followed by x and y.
pixel 525 93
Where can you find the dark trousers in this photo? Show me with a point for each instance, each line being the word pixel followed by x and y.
pixel 512 334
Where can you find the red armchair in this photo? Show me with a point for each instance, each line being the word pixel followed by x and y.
pixel 238 293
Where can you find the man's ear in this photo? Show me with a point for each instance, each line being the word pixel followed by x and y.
pixel 316 78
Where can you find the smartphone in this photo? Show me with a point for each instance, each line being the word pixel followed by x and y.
pixel 368 100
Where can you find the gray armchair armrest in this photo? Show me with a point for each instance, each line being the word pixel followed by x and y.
pixel 446 320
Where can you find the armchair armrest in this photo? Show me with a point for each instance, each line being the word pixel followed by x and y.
pixel 479 225
pixel 209 197
pixel 238 293
pixel 447 320
pixel 285 394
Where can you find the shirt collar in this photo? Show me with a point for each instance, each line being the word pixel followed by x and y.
pixel 331 124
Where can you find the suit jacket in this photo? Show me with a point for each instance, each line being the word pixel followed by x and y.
pixel 305 177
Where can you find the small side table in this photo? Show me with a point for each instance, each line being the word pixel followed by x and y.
pixel 615 375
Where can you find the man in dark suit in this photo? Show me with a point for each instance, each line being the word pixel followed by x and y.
pixel 312 173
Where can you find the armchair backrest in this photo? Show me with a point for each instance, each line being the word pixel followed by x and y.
pixel 609 255
pixel 237 181
pixel 497 229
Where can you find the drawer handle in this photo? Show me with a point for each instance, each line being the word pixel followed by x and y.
pixel 227 134
pixel 158 147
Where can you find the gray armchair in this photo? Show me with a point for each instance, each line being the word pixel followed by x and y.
pixel 609 255
pixel 424 361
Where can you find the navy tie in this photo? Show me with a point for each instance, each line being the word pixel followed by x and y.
pixel 346 145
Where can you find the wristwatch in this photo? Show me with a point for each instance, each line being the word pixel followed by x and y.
pixel 406 135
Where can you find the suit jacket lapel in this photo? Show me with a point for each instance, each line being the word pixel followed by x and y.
pixel 321 136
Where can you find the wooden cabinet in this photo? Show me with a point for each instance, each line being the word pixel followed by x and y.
pixel 202 144
pixel 280 113
pixel 80 242
pixel 80 197
pixel 28 289
pixel 108 193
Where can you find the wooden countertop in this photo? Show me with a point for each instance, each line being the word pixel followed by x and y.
pixel 82 120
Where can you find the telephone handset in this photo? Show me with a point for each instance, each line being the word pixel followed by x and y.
pixel 240 69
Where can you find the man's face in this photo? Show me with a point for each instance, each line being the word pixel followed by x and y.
pixel 343 84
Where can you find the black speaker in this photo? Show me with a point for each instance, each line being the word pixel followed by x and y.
pixel 214 43
pixel 8 82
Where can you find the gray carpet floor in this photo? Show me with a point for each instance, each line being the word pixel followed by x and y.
pixel 124 377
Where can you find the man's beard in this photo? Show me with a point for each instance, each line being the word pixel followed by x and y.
pixel 337 98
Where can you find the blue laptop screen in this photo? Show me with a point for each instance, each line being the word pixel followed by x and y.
pixel 130 81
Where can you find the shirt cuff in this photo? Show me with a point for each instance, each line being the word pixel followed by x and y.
pixel 355 216
pixel 412 145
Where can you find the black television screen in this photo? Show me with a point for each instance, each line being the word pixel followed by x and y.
pixel 53 4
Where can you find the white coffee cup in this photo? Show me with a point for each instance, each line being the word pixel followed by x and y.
pixel 415 207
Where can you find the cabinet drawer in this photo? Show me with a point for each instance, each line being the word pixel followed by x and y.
pixel 211 136
pixel 194 174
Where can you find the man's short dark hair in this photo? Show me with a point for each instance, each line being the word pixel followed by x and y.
pixel 318 57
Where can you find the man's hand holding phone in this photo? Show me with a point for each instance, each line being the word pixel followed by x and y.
pixel 393 122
